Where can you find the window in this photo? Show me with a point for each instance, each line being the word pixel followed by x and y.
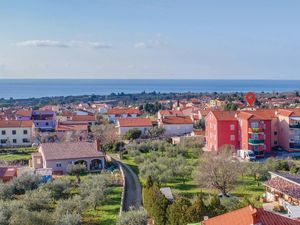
pixel 39 161
pixel 254 125
pixel 232 127
pixel 25 140
pixel 14 141
pixel 25 132
pixel 37 124
pixel 232 138
pixel 3 132
pixel 14 132
pixel 275 132
pixel 3 141
pixel 58 165
pixel 275 142
pixel 47 124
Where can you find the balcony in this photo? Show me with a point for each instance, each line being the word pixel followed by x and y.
pixel 255 142
pixel 255 130
pixel 295 126
pixel 295 146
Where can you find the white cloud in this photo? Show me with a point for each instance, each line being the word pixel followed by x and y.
pixel 62 44
pixel 140 45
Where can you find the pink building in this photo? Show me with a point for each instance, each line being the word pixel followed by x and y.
pixel 221 128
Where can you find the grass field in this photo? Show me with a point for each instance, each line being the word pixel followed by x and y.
pixel 106 214
pixel 17 154
pixel 246 186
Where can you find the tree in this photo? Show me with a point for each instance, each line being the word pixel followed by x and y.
pixel 132 134
pixel 74 205
pixel 218 171
pixel 69 219
pixel 197 210
pixel 59 188
pixel 6 190
pixel 215 207
pixel 26 217
pixel 105 133
pixel 133 217
pixel 156 204
pixel 26 182
pixel 230 106
pixel 76 170
pixel 37 200
pixel 155 132
pixel 177 212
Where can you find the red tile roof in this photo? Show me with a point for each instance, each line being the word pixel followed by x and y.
pixel 69 150
pixel 289 112
pixel 284 186
pixel 259 115
pixel 7 172
pixel 15 123
pixel 83 118
pixel 224 115
pixel 119 111
pixel 23 112
pixel 249 215
pixel 71 127
pixel 177 120
pixel 135 122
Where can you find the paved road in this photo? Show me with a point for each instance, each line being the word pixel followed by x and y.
pixel 133 192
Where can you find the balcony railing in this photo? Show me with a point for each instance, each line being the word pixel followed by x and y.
pixel 295 146
pixel 255 130
pixel 295 126
pixel 256 142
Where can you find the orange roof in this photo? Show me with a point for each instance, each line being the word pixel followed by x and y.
pixel 83 118
pixel 289 112
pixel 15 123
pixel 224 115
pixel 23 112
pixel 259 114
pixel 135 122
pixel 71 127
pixel 170 112
pixel 177 120
pixel 249 215
pixel 119 111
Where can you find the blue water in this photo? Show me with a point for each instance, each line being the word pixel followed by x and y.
pixel 41 88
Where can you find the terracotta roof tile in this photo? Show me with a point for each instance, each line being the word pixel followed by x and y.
pixel 15 123
pixel 23 112
pixel 224 115
pixel 119 111
pixel 69 150
pixel 135 122
pixel 177 120
pixel 83 118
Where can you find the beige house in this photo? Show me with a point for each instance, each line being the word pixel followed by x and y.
pixel 16 133
pixel 126 124
pixel 58 156
pixel 289 129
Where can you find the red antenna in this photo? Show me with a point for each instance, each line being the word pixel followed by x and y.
pixel 250 98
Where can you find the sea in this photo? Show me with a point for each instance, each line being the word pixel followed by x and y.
pixel 29 88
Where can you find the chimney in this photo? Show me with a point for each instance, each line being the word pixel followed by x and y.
pixel 205 218
pixel 98 145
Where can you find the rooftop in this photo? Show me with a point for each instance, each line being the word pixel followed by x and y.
pixel 70 150
pixel 135 122
pixel 119 111
pixel 177 120
pixel 15 123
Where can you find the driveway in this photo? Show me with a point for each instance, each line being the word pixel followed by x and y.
pixel 133 191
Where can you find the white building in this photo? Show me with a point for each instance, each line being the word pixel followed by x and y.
pixel 16 133
pixel 115 113
pixel 176 125
pixel 126 124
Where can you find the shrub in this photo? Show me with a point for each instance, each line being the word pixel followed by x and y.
pixel 26 182
pixel 133 217
pixel 132 134
pixel 69 219
pixel 37 200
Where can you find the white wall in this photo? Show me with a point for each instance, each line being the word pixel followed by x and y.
pixel 177 129
pixel 123 130
pixel 19 136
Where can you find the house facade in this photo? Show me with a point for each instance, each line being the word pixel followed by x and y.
pixel 44 120
pixel 176 125
pixel 289 129
pixel 58 156
pixel 126 124
pixel 16 133
pixel 221 129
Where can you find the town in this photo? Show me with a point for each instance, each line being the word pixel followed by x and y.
pixel 210 159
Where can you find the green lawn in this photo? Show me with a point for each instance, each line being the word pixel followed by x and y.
pixel 106 214
pixel 246 185
pixel 17 154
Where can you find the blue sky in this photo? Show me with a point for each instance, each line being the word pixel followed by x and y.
pixel 197 39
